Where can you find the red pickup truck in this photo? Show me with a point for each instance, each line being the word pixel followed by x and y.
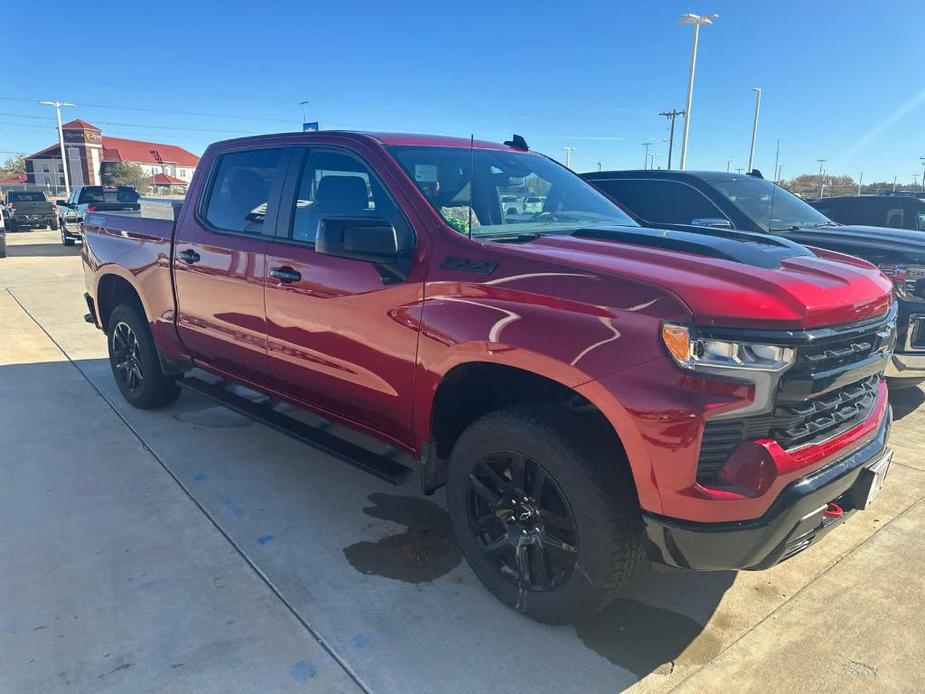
pixel 589 391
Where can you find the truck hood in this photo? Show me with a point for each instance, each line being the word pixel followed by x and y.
pixel 876 244
pixel 802 290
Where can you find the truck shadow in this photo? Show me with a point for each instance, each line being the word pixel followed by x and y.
pixel 39 250
pixel 905 401
pixel 643 631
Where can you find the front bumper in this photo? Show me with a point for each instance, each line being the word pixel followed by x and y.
pixel 793 522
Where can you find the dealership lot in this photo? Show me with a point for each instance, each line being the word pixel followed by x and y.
pixel 189 549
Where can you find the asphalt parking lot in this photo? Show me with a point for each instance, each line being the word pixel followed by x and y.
pixel 189 549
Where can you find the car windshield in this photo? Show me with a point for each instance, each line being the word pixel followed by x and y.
pixel 768 205
pixel 500 178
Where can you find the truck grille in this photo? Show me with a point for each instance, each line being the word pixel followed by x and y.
pixel 831 388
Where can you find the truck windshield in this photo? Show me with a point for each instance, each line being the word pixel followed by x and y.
pixel 108 194
pixel 768 205
pixel 500 181
pixel 25 197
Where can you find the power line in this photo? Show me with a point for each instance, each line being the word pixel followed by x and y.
pixel 158 110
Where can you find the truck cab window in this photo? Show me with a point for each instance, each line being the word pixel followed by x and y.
pixel 333 184
pixel 241 188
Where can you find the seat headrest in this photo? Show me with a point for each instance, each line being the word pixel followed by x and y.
pixel 344 193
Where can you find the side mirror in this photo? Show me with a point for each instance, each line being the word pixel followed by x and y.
pixel 715 222
pixel 61 203
pixel 370 239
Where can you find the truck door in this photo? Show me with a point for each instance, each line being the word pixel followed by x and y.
pixel 342 336
pixel 219 261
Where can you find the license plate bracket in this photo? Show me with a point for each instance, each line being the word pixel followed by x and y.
pixel 870 481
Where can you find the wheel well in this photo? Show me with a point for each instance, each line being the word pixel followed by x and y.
pixel 112 291
pixel 470 391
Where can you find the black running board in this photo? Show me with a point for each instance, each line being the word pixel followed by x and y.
pixel 361 458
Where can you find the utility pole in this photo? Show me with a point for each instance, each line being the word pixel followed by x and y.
pixel 697 20
pixel 751 152
pixel 67 179
pixel 821 176
pixel 645 162
pixel 822 186
pixel 652 158
pixel 922 159
pixel 739 170
pixel 568 157
pixel 728 164
pixel 600 167
pixel 303 104
pixel 894 183
pixel 671 115
pixel 860 183
pixel 777 160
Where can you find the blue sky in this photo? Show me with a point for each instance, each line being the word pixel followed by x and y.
pixel 844 81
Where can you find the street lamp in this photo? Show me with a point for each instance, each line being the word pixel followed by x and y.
pixel 568 157
pixel 67 180
pixel 922 159
pixel 821 176
pixel 751 152
pixel 696 20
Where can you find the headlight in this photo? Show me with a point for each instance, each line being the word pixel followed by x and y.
pixel 759 364
pixel 695 353
pixel 904 278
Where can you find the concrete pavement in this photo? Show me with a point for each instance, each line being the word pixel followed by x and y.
pixel 333 581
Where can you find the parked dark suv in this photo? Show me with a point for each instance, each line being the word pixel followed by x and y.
pixel 898 212
pixel 681 199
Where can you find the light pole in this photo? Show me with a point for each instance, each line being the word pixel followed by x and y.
pixel 860 182
pixel 67 179
pixel 303 104
pixel 922 159
pixel 894 183
pixel 645 162
pixel 728 164
pixel 777 176
pixel 600 167
pixel 821 176
pixel 652 160
pixel 697 20
pixel 751 152
pixel 568 157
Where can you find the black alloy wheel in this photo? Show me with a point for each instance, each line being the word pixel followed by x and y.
pixel 126 358
pixel 521 521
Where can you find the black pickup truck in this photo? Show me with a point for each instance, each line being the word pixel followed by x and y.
pixel 681 199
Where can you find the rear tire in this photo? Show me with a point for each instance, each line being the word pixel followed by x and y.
pixel 54 224
pixel 545 512
pixel 65 239
pixel 134 361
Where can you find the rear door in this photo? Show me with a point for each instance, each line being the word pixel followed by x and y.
pixel 342 334
pixel 219 261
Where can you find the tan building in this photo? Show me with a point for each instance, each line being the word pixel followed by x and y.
pixel 89 152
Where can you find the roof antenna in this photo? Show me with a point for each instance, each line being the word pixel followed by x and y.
pixel 471 173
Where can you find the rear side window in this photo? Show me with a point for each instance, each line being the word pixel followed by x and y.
pixel 241 189
pixel 662 202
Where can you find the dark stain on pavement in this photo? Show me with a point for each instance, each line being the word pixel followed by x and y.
pixel 425 551
pixel 645 639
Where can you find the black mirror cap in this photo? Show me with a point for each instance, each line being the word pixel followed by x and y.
pixel 372 239
pixel 61 203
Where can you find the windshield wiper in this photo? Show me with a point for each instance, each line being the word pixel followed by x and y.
pixel 510 238
pixel 829 223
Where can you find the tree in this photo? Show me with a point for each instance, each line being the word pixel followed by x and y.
pixel 13 166
pixel 123 173
pixel 809 185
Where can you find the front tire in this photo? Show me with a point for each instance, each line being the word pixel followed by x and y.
pixel 134 361
pixel 65 239
pixel 545 517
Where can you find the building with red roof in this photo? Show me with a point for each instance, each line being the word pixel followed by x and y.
pixel 89 152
